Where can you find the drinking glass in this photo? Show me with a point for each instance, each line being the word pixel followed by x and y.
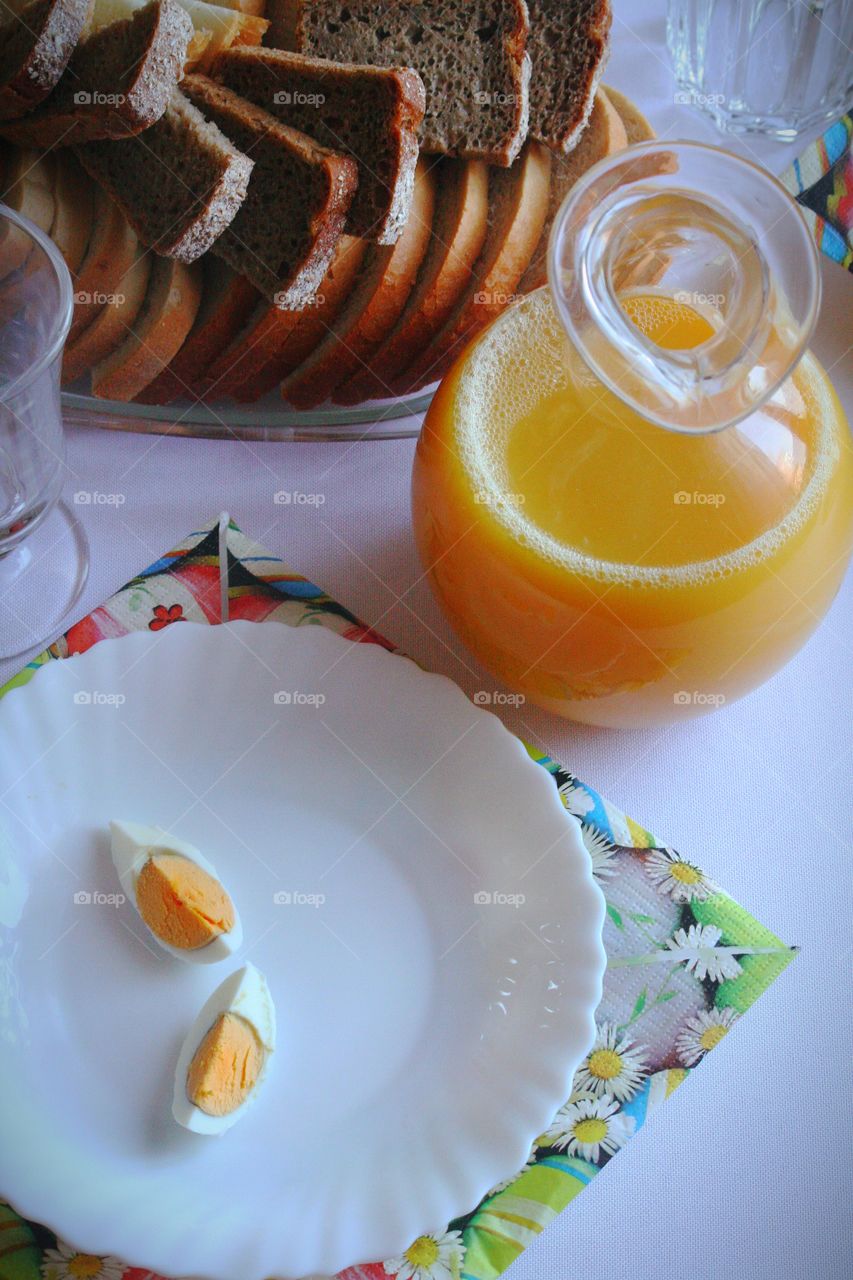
pixel 777 67
pixel 43 551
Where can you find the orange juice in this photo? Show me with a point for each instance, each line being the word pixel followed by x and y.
pixel 608 568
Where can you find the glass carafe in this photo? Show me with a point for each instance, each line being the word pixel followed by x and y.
pixel 633 494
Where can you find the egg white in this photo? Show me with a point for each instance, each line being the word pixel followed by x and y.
pixel 132 844
pixel 244 993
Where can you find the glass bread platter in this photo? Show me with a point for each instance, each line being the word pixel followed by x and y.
pixel 266 419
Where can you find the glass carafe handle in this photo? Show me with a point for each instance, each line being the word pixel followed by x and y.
pixel 699 225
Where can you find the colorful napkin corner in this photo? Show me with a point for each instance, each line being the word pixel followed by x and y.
pixel 821 182
pixel 684 960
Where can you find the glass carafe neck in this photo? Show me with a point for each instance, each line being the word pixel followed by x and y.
pixel 695 226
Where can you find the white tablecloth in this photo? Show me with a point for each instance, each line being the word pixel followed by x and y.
pixel 746 1171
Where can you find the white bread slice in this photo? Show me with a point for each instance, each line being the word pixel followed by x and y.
pixel 37 38
pixel 519 202
pixel 265 329
pixel 286 351
pixel 109 256
pixel 27 186
pixel 166 317
pixel 375 304
pixel 603 136
pixel 112 323
pixel 637 127
pixel 227 301
pixel 74 197
pixel 459 231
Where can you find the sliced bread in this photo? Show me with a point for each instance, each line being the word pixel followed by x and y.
pixel 458 233
pixel 568 46
pixel 249 349
pixel 373 307
pixel 36 41
pixel 118 81
pixel 603 136
pixel 215 26
pixel 74 196
pixel 471 58
pixel 109 255
pixel 286 230
pixel 372 114
pixel 112 323
pixel 227 301
pixel 637 127
pixel 271 362
pixel 518 198
pixel 165 319
pixel 180 184
pixel 27 186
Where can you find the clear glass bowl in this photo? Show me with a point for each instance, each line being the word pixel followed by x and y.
pixel 268 419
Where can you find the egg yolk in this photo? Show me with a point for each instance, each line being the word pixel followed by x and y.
pixel 225 1066
pixel 183 905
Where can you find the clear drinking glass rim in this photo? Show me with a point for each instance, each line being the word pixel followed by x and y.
pixel 66 303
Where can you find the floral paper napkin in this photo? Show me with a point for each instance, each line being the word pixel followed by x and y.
pixel 685 961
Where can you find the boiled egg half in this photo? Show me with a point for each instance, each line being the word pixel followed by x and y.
pixel 177 893
pixel 225 1057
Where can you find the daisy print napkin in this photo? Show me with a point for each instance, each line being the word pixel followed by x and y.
pixel 684 960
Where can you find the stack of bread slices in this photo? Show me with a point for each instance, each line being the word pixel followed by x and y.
pixel 326 199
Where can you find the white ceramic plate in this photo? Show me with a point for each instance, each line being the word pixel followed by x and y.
pixel 409 883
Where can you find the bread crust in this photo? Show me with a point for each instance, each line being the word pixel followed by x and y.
pixel 36 48
pixel 165 319
pixel 159 34
pixel 273 79
pixel 519 207
pixel 110 326
pixel 459 232
pixel 373 308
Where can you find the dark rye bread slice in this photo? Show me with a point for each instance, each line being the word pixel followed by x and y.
pixel 372 114
pixel 568 46
pixel 372 308
pixel 227 301
pixel 459 229
pixel 36 41
pixel 179 184
pixel 117 83
pixel 286 230
pixel 270 362
pixel 471 57
pixel 518 199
